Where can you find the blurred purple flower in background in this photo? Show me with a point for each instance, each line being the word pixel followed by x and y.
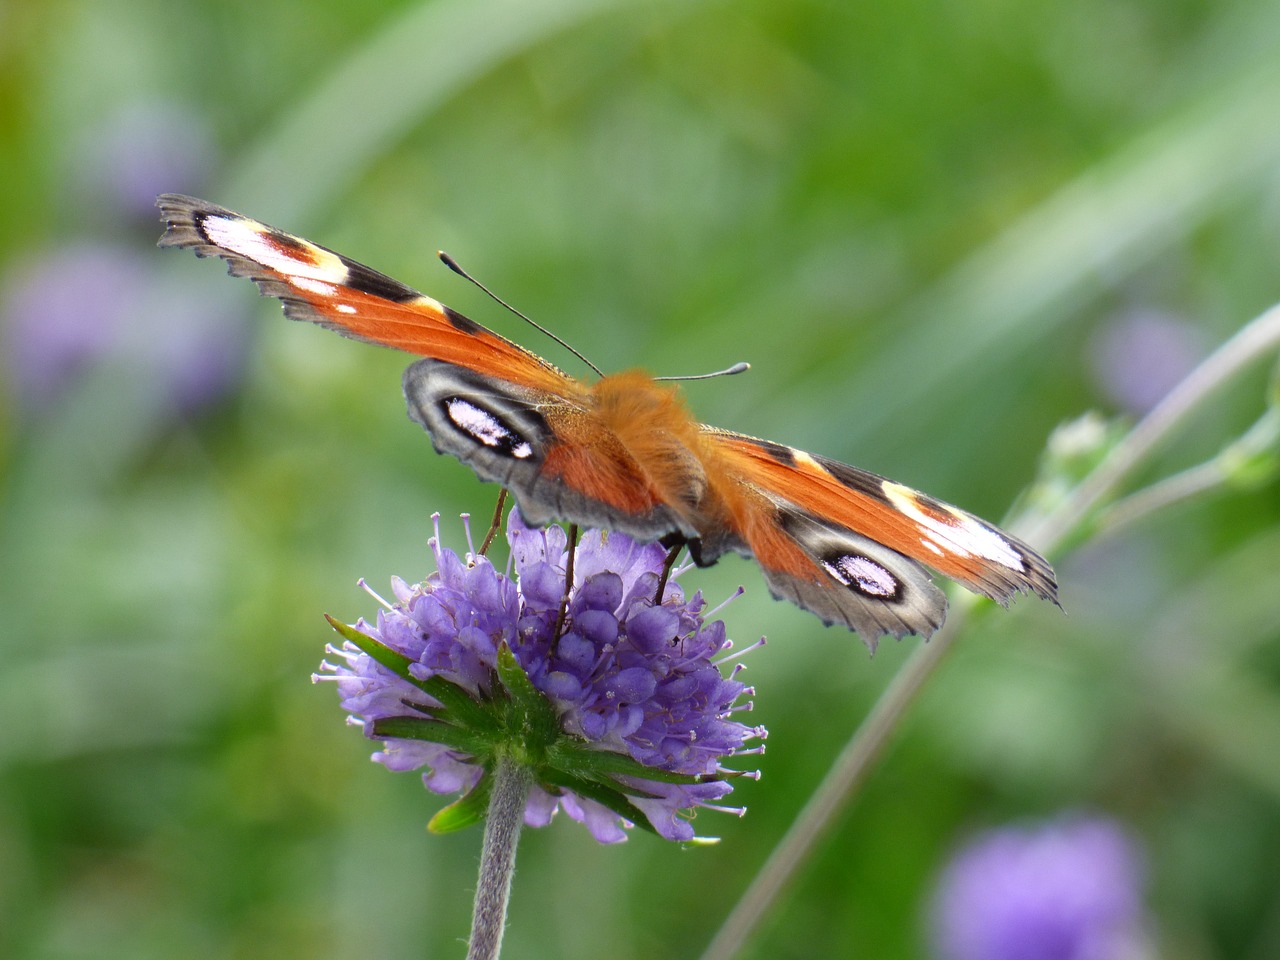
pixel 1141 354
pixel 1068 889
pixel 116 306
pixel 147 148
pixel 63 312
pixel 65 315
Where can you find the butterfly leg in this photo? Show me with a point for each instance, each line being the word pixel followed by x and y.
pixel 667 565
pixel 568 582
pixel 497 522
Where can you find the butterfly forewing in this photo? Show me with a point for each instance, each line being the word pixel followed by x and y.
pixel 323 287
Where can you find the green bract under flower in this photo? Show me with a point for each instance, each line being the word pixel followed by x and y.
pixel 624 718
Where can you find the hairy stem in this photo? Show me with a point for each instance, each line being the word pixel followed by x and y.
pixel 1174 489
pixel 511 784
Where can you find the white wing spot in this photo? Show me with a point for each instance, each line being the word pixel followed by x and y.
pixel 863 573
pixel 486 428
pixel 253 241
pixel 318 287
pixel 479 423
pixel 806 459
pixel 429 302
pixel 958 533
pixel 345 308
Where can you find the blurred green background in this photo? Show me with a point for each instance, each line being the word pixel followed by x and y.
pixel 937 230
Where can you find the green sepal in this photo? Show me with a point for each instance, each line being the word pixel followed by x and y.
pixel 531 711
pixel 460 706
pixel 397 663
pixel 462 739
pixel 599 765
pixel 466 811
pixel 607 797
pixel 456 700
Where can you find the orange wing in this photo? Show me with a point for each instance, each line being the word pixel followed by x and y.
pixel 851 546
pixel 326 288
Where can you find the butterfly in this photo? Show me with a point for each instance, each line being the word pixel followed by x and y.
pixel 624 453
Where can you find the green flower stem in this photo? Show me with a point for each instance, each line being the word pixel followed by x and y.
pixel 847 773
pixel 1247 462
pixel 511 784
pixel 1171 490
pixel 1258 339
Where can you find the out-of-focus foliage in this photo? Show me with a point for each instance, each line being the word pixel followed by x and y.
pixel 937 230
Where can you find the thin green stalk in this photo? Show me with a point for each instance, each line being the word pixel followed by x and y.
pixel 511 784
pixel 832 795
pixel 1171 490
pixel 1247 461
pixel 1256 340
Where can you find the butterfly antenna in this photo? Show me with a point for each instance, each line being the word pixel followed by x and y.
pixel 453 265
pixel 740 367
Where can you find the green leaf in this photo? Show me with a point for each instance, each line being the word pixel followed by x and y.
pixel 466 811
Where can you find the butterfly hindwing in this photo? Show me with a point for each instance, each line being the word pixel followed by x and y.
pixel 554 454
pixel 854 581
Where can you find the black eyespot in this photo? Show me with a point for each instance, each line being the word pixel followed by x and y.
pixel 864 575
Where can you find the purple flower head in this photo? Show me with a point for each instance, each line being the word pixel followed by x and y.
pixel 1070 889
pixel 625 717
pixel 147 147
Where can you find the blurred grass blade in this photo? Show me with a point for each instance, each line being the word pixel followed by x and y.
pixel 365 105
pixel 1110 220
